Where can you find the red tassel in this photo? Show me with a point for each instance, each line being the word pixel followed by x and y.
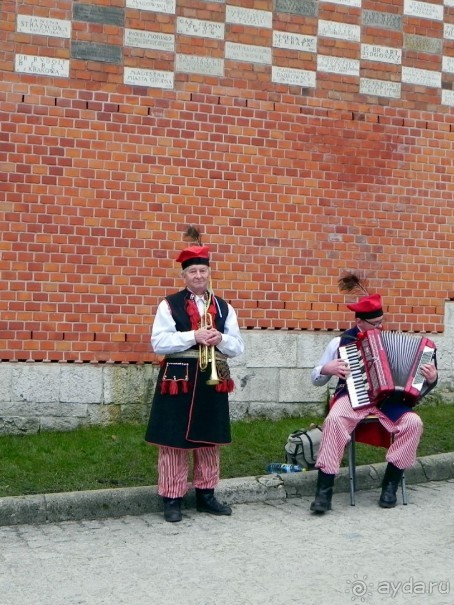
pixel 221 387
pixel 164 387
pixel 184 386
pixel 230 385
pixel 173 388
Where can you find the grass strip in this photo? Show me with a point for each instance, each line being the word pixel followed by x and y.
pixel 117 455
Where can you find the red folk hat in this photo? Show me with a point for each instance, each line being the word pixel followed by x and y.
pixel 367 307
pixel 194 255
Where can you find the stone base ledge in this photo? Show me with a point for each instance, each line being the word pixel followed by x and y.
pixel 97 504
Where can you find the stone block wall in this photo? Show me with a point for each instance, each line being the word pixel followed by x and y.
pixel 272 380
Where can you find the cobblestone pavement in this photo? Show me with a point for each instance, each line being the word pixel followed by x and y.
pixel 265 553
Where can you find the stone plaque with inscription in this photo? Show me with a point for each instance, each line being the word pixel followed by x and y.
pixel 421 77
pixel 93 13
pixel 104 53
pixel 338 65
pixel 382 20
pixel 45 66
pixel 293 77
pixel 41 26
pixel 194 64
pixel 422 44
pixel 201 28
pixel 295 41
pixel 148 77
pixel 448 31
pixel 146 39
pixel 248 52
pixel 380 88
pixel 248 16
pixel 341 31
pixel 424 10
pixel 157 6
pixel 306 8
pixel 383 54
pixel 347 2
pixel 447 97
pixel 448 65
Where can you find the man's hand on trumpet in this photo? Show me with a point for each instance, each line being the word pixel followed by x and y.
pixel 209 337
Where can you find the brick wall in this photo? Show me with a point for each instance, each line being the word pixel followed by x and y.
pixel 275 127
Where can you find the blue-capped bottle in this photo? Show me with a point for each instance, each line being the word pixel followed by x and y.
pixel 279 467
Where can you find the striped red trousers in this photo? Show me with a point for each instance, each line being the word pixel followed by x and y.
pixel 173 470
pixel 342 420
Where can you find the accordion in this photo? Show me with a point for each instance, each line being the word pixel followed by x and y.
pixel 382 363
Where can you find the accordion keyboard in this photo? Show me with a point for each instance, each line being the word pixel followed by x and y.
pixel 357 383
pixel 426 357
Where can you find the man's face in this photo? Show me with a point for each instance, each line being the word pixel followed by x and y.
pixel 370 324
pixel 196 278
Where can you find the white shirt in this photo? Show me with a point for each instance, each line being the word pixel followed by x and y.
pixel 165 339
pixel 329 354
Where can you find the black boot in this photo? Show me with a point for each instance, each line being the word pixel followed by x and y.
pixel 323 493
pixel 207 503
pixel 390 483
pixel 172 509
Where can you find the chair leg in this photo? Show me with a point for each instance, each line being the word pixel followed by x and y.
pixel 352 468
pixel 404 490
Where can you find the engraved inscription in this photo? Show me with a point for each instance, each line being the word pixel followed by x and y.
pixel 338 65
pixel 199 65
pixel 198 27
pixel 347 2
pixel 154 40
pixel 382 20
pixel 148 77
pixel 422 77
pixel 56 28
pixel 448 64
pixel 425 10
pixel 293 77
pixel 157 6
pixel 247 52
pixel 46 66
pixel 422 43
pixel 447 97
pixel 248 16
pixel 448 31
pixel 295 41
pixel 106 53
pixel 379 88
pixel 93 13
pixel 342 31
pixel 307 8
pixel 384 54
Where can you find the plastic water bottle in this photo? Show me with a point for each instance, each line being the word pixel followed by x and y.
pixel 278 467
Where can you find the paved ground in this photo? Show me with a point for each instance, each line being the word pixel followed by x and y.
pixel 267 553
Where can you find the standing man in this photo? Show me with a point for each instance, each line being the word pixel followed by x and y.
pixel 196 331
pixel 394 414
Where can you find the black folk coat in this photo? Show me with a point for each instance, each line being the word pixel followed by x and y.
pixel 189 414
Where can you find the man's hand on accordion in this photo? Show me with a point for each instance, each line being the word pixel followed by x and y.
pixel 430 373
pixel 336 367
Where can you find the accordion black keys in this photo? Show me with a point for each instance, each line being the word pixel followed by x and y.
pixel 384 362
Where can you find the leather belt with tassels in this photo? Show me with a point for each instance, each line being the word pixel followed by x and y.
pixel 176 375
pixel 194 354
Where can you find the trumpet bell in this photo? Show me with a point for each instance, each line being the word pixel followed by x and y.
pixel 214 378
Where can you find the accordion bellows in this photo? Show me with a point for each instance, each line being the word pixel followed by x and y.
pixel 382 363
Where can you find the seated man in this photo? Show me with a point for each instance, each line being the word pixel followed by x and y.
pixel 394 414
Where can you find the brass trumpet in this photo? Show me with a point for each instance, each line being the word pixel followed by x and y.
pixel 207 355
